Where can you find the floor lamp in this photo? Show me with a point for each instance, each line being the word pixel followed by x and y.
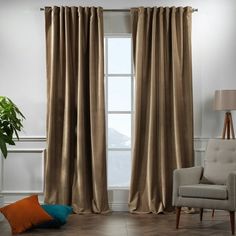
pixel 225 100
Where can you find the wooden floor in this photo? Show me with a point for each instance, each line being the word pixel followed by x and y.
pixel 125 224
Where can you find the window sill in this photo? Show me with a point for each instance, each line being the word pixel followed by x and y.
pixel 118 188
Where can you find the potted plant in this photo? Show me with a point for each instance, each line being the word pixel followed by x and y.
pixel 10 124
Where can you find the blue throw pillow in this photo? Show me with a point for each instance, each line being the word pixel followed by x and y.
pixel 59 213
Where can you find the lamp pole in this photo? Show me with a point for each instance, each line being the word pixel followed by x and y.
pixel 228 126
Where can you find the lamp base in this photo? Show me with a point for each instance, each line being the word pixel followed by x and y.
pixel 228 126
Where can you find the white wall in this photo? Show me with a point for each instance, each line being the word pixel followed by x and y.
pixel 23 78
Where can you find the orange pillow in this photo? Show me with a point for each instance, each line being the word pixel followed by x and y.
pixel 25 214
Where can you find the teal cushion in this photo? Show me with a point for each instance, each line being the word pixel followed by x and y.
pixel 59 213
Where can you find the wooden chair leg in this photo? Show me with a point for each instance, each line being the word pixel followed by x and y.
pixel 201 213
pixel 213 213
pixel 232 221
pixel 178 211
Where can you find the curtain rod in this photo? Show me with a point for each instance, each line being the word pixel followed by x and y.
pixel 122 10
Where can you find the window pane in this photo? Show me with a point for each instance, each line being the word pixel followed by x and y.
pixel 119 131
pixel 119 168
pixel 119 55
pixel 119 94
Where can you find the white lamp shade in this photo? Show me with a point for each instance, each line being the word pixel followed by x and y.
pixel 225 100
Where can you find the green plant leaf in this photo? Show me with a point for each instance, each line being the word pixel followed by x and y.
pixel 8 139
pixel 10 122
pixel 3 148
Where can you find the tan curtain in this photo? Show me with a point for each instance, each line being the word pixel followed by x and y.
pixel 163 132
pixel 76 152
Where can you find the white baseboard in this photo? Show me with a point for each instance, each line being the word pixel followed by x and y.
pixel 118 206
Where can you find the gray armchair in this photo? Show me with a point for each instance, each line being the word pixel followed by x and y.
pixel 213 187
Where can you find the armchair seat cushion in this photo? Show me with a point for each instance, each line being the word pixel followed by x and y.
pixel 209 191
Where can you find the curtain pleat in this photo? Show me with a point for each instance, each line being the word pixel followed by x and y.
pixel 163 129
pixel 75 165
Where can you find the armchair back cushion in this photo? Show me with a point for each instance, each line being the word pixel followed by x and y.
pixel 220 160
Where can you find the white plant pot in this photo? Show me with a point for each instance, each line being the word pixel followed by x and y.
pixel 1 205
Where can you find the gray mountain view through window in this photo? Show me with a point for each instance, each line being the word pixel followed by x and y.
pixel 117 139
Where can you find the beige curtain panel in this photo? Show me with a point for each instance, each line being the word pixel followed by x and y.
pixel 76 152
pixel 163 132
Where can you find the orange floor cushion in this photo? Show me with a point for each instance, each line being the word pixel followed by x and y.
pixel 25 214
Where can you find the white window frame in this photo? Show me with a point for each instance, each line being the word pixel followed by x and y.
pixel 131 112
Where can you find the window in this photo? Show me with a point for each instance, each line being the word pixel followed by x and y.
pixel 119 109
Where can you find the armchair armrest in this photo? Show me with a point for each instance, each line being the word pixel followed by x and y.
pixel 231 187
pixel 185 176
